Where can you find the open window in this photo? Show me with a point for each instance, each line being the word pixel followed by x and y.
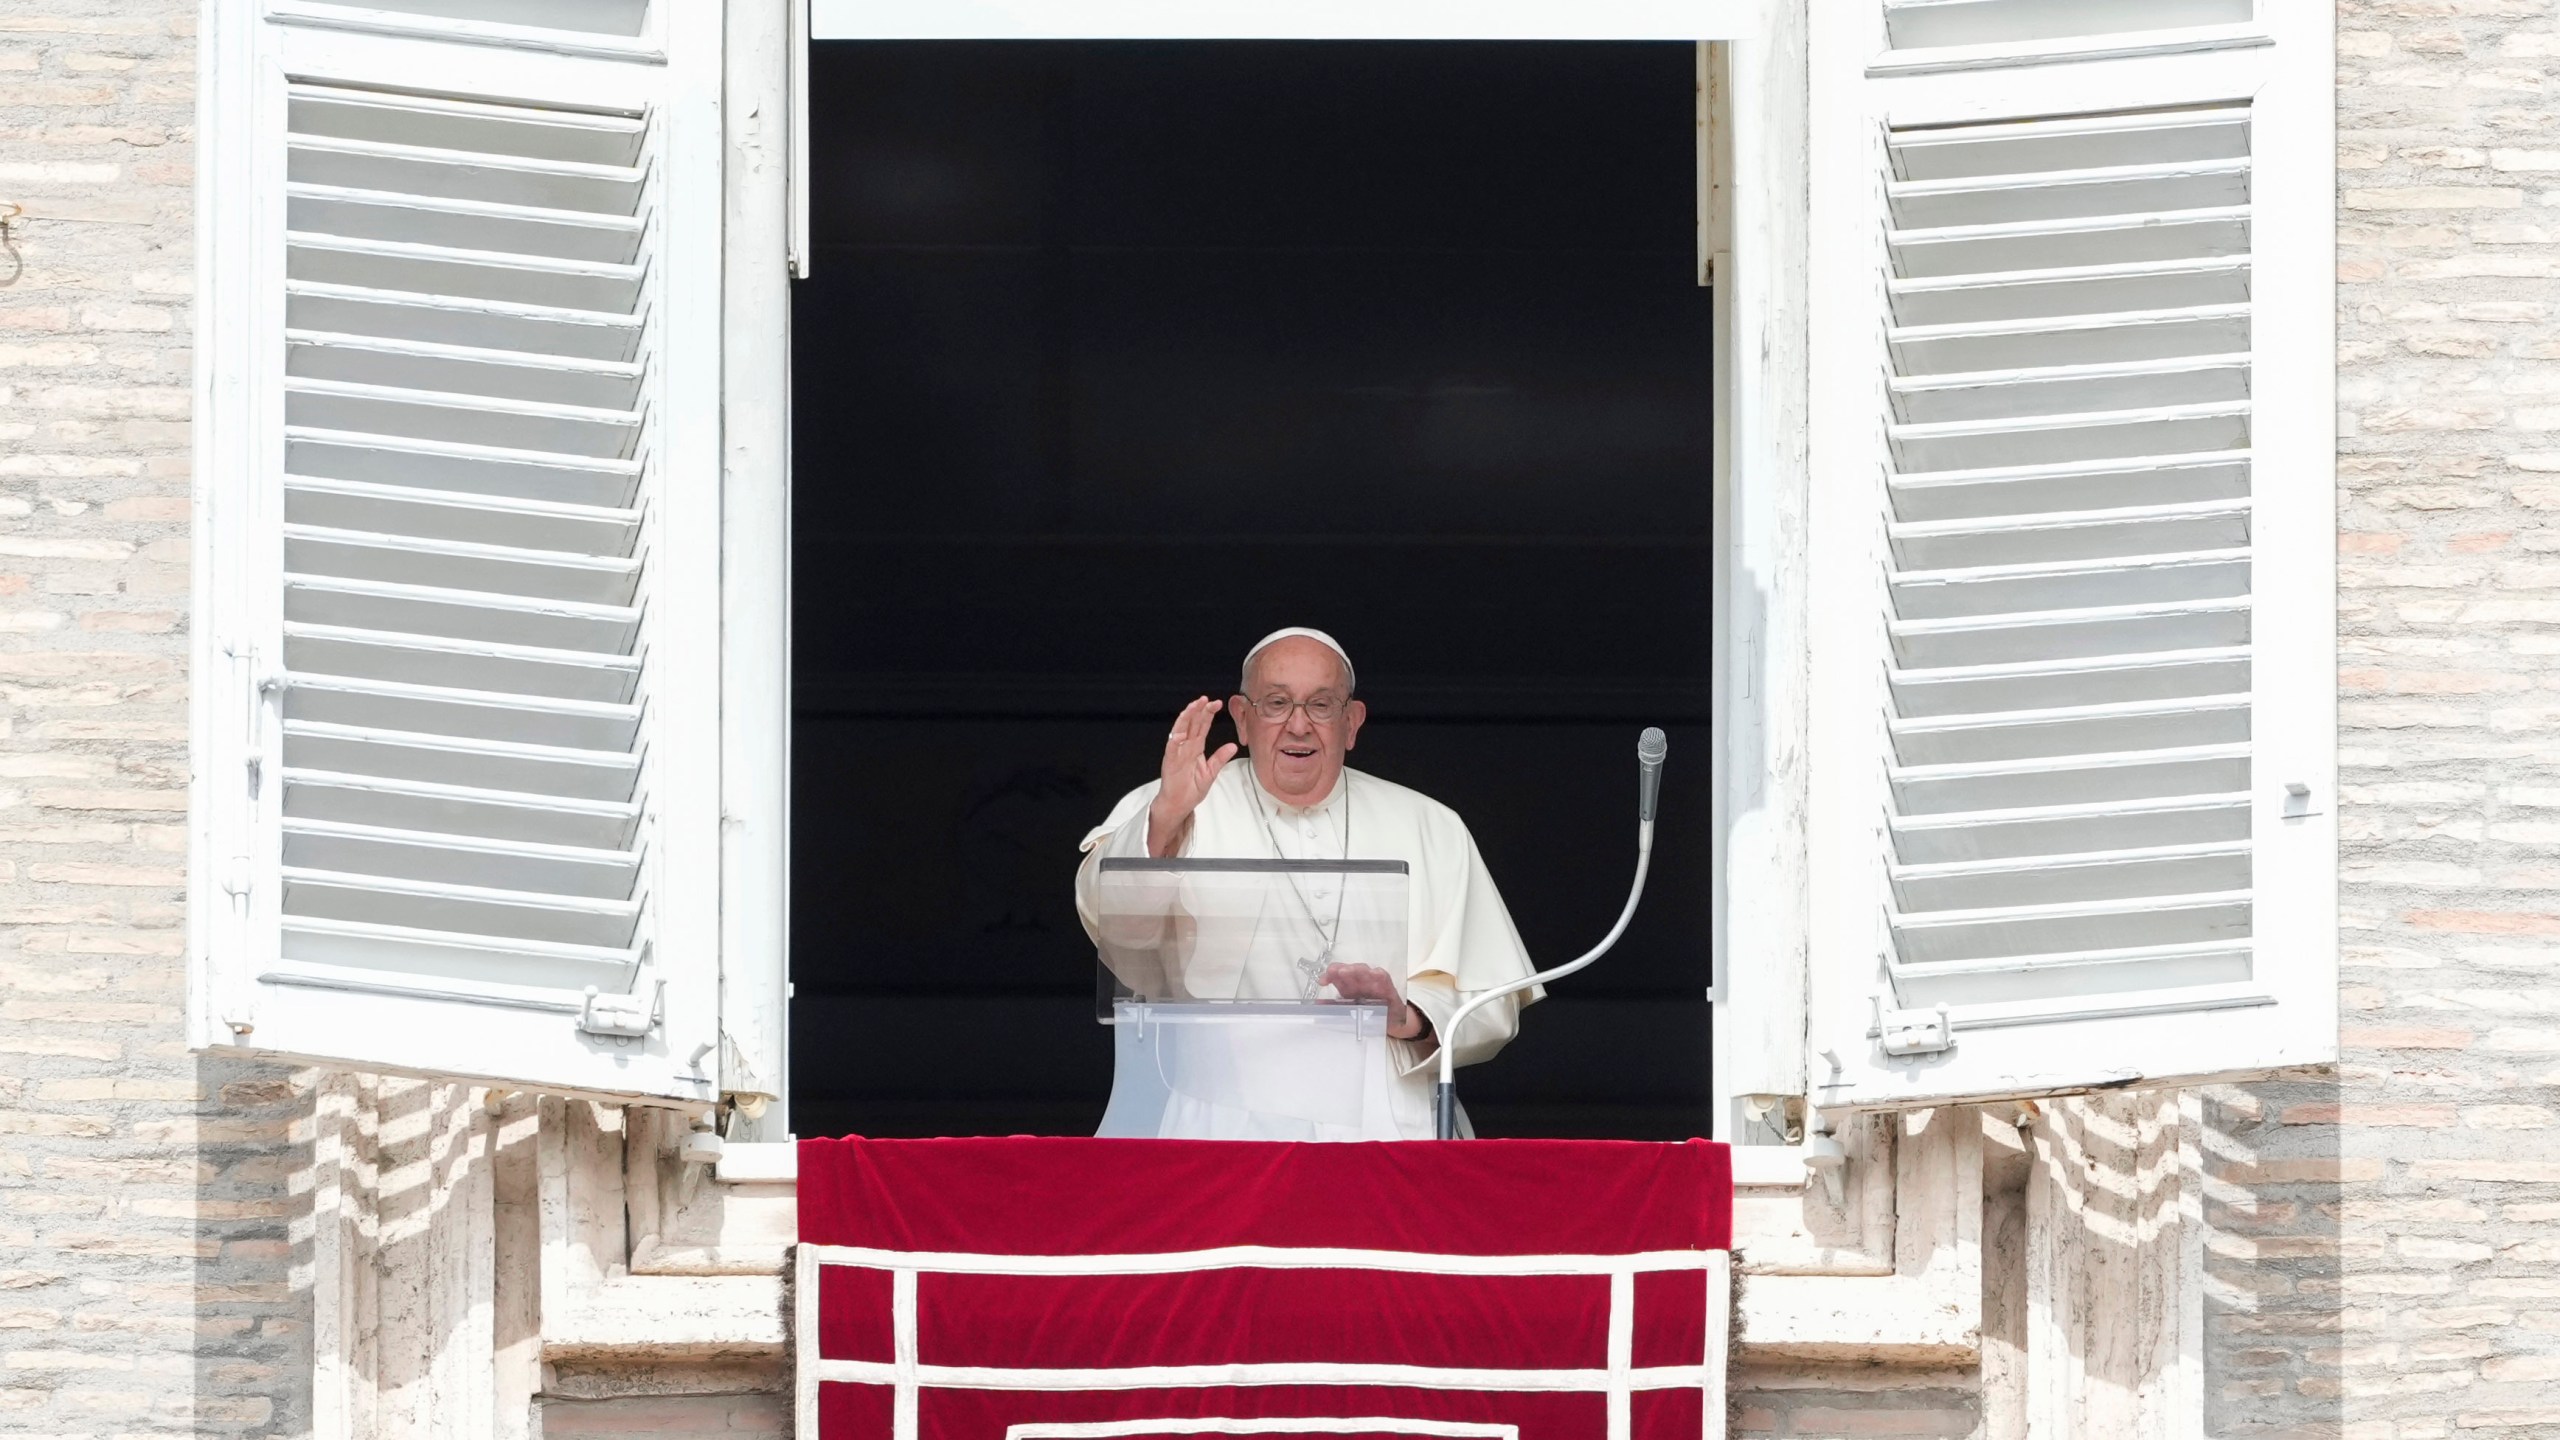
pixel 1114 357
pixel 2072 758
pixel 2065 793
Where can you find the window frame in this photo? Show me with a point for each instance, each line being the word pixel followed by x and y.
pixel 763 244
pixel 1700 20
pixel 1750 203
pixel 1754 156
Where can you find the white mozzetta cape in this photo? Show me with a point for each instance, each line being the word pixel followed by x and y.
pixel 1459 938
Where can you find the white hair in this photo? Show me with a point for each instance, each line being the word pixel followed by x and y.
pixel 1350 678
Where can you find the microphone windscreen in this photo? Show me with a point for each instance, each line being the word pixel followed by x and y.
pixel 1652 745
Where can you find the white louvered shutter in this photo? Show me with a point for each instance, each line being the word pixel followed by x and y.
pixel 2072 545
pixel 458 516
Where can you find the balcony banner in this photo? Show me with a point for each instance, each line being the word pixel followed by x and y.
pixel 1068 1289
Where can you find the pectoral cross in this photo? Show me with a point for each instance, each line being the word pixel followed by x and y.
pixel 1311 973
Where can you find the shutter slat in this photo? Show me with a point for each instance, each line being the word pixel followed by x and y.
pixel 2068 195
pixel 426 964
pixel 607 27
pixel 457 565
pixel 2129 874
pixel 483 715
pixel 2069 635
pixel 362 604
pixel 460 909
pixel 2005 55
pixel 462 225
pixel 2201 975
pixel 452 515
pixel 460 860
pixel 2043 489
pixel 509 765
pixel 2083 780
pixel 387 315
pixel 2068 290
pixel 460 810
pixel 419 170
pixel 2069 244
pixel 2070 438
pixel 2076 340
pixel 2049 685
pixel 459 370
pixel 2028 538
pixel 1996 932
pixel 2104 581
pixel 2077 730
pixel 2068 143
pixel 2071 389
pixel 465 127
pixel 460 466
pixel 594 285
pixel 2070 829
pixel 570 430
pixel 1932 24
pixel 2126 1002
pixel 460 665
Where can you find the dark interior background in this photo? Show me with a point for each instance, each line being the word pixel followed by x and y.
pixel 1116 357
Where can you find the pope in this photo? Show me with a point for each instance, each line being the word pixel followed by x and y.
pixel 1297 799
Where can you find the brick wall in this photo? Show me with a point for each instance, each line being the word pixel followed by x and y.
pixel 670 1417
pixel 1801 1402
pixel 144 1238
pixel 2387 1265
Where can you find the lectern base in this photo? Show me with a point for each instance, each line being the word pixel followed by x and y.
pixel 1224 1072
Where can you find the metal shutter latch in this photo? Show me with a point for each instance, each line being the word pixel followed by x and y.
pixel 1913 1032
pixel 623 1017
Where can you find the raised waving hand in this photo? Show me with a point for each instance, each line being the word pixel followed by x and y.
pixel 1186 777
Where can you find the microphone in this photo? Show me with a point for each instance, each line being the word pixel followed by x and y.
pixel 1650 748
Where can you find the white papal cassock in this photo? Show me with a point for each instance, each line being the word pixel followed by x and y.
pixel 1459 939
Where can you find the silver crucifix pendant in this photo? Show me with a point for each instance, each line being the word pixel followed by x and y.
pixel 1310 973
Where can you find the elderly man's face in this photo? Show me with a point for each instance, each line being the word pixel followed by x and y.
pixel 1296 757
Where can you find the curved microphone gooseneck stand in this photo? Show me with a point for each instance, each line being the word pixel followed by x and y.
pixel 1649 752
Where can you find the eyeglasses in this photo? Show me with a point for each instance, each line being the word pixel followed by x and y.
pixel 1321 709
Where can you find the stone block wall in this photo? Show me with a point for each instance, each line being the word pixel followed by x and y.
pixel 2385 1264
pixel 670 1417
pixel 145 1241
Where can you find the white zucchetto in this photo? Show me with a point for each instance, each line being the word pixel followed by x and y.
pixel 1350 677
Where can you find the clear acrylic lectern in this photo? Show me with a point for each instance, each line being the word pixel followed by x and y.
pixel 1250 998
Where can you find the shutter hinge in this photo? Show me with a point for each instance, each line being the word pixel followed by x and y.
pixel 623 1017
pixel 267 695
pixel 1913 1032
pixel 264 686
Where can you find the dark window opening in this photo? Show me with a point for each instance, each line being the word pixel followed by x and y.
pixel 1117 356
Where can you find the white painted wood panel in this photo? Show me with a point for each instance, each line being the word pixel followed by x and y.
pixel 765 217
pixel 1764 521
pixel 1287 19
pixel 459 521
pixel 2070 430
